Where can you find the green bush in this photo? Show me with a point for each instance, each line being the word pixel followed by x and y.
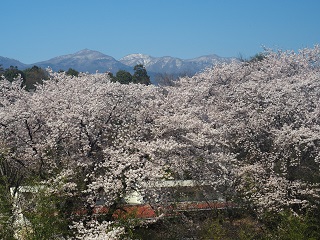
pixel 6 214
pixel 45 215
pixel 292 227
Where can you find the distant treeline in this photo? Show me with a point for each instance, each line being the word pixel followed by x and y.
pixel 30 76
pixel 35 75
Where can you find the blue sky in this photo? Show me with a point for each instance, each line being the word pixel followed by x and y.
pixel 37 30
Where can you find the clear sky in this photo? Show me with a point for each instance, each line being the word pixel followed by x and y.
pixel 37 30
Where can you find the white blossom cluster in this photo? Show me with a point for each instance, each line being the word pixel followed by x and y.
pixel 269 112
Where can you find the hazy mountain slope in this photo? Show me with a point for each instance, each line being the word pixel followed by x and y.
pixel 84 61
pixel 7 62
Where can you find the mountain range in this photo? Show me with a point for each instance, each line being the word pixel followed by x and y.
pixel 91 61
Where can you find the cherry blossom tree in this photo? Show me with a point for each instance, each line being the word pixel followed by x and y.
pixel 268 111
pixel 248 129
pixel 93 140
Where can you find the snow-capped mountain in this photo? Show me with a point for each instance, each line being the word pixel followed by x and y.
pixel 84 61
pixel 134 59
pixel 173 65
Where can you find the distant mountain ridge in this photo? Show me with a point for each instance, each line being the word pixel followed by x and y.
pixel 91 61
pixel 7 62
pixel 173 65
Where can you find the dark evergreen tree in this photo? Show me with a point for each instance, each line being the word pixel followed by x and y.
pixel 140 75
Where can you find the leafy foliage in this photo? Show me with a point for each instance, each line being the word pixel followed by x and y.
pixel 12 73
pixel 123 77
pixel 72 72
pixel 33 76
pixel 30 77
